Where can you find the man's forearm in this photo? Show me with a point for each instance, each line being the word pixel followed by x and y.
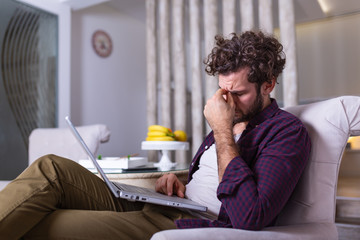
pixel 226 150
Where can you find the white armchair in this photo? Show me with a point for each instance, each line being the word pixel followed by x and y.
pixel 310 212
pixel 60 141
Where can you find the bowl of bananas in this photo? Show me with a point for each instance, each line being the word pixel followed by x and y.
pixel 164 139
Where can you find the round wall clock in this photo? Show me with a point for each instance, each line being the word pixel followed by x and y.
pixel 102 44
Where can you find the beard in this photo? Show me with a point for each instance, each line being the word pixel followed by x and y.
pixel 254 109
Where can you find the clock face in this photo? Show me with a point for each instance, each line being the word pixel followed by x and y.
pixel 102 43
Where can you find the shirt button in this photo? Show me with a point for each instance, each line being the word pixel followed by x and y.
pixel 192 164
pixel 206 147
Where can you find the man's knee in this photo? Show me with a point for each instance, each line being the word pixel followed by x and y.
pixel 53 163
pixel 50 159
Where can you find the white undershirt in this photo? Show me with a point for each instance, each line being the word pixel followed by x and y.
pixel 204 183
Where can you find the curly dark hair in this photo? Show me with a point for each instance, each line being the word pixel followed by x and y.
pixel 263 54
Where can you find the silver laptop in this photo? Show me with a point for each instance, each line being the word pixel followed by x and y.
pixel 134 193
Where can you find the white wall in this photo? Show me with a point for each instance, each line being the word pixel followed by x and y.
pixel 110 90
pixel 328 57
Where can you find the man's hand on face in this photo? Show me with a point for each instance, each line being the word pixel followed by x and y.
pixel 219 110
pixel 169 184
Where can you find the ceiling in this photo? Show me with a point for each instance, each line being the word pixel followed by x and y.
pixel 80 4
pixel 305 10
pixel 310 10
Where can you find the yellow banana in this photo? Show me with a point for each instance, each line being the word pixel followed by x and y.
pixel 158 128
pixel 159 133
pixel 156 134
pixel 162 138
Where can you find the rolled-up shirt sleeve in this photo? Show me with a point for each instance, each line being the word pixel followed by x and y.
pixel 252 198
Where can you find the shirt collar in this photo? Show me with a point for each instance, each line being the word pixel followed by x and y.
pixel 267 113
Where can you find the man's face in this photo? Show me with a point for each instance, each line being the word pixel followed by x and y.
pixel 247 97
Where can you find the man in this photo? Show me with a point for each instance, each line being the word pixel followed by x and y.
pixel 258 172
pixel 245 170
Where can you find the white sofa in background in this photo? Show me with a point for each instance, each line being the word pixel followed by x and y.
pixel 61 141
pixel 310 212
pixel 3 184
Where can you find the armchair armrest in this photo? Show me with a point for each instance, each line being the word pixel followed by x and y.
pixel 311 231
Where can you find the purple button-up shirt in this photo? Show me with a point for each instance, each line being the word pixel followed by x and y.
pixel 273 152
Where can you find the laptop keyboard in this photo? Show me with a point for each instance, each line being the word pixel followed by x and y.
pixel 131 188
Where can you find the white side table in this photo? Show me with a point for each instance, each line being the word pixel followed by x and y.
pixel 164 147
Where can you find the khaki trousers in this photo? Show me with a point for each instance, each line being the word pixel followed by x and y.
pixel 56 198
